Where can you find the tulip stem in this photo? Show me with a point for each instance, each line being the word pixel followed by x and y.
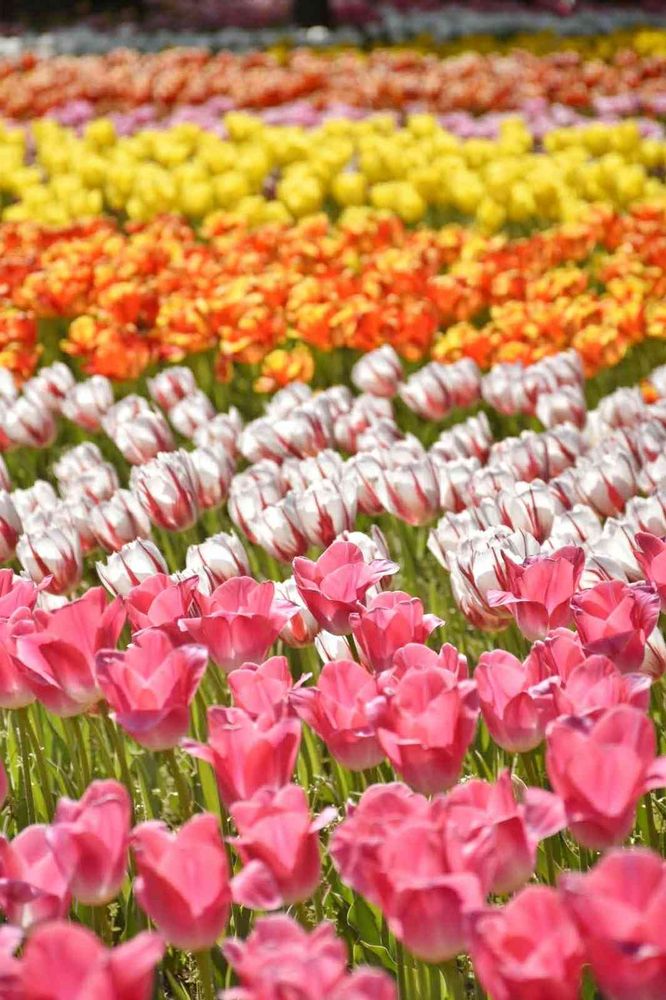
pixel 20 716
pixel 81 749
pixel 119 748
pixel 454 985
pixel 205 970
pixel 38 751
pixel 184 797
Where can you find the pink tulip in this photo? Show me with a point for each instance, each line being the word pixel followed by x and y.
pixel 600 767
pixel 58 659
pixel 516 708
pixel 130 565
pixel 150 686
pixel 278 844
pixel 52 553
pixel 64 961
pixel 159 601
pixel 378 372
pixel 32 885
pixel 529 949
pixel 416 656
pixel 248 754
pixel 539 592
pixel 651 555
pixel 427 726
pixel 619 909
pixel 119 520
pixel 86 402
pixel 90 838
pixel 335 585
pixel 338 709
pixel 141 438
pixel 490 834
pixel 239 622
pixel 391 620
pixel 262 688
pixel 16 593
pixel 167 489
pixel 10 966
pixel 616 620
pixel 170 385
pixel 280 959
pixel 183 880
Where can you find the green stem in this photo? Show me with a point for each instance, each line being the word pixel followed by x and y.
pixel 184 796
pixel 38 750
pixel 80 749
pixel 119 748
pixel 402 971
pixel 205 970
pixel 454 985
pixel 20 716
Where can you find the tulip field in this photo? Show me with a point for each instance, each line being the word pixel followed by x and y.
pixel 333 515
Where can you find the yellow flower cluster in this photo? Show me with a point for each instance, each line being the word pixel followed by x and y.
pixel 270 173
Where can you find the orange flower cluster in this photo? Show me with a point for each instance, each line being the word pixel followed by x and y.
pixel 145 293
pixel 123 79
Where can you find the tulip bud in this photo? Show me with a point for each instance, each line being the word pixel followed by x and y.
pixel 142 437
pixel 213 469
pixel 167 489
pixel 119 520
pixel 411 492
pixel 217 559
pixel 86 402
pixel 52 553
pixel 132 564
pixel 171 385
pixel 29 424
pixel 378 372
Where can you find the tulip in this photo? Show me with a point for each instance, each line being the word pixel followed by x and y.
pixel 578 526
pixel 365 411
pixel 618 908
pixel 530 507
pixel 278 844
pixel 262 688
pixel 539 592
pixel 142 438
pixel 167 488
pixel 287 399
pixel 470 438
pixel 223 430
pixel 650 553
pixel 64 961
pixel 304 432
pixel 411 492
pixel 119 520
pixel 58 660
pixel 453 478
pixel 183 880
pixel 378 372
pixel 302 628
pixel 10 967
pixel 90 839
pixel 52 553
pixel 171 385
pixel 8 389
pixel 133 562
pixel 76 461
pixel 213 470
pixel 10 526
pixel 334 586
pixel 364 471
pixel 426 727
pixel 452 529
pixel 248 754
pixel 29 423
pixel 125 411
pixel 607 486
pixel 87 402
pixel 434 390
pixel 515 708
pixel 150 686
pixel 488 833
pixel 600 767
pixel 32 885
pixel 15 691
pixel 248 499
pixel 566 405
pixel 391 620
pixel 416 656
pixel 240 621
pixel 298 475
pixel 278 528
pixel 39 497
pixel 50 386
pixel 326 509
pixel 339 710
pixel 217 559
pixel 616 620
pixel 529 948
pixel 93 486
pixel 159 602
pixel 488 482
pixel 191 412
pixel 648 513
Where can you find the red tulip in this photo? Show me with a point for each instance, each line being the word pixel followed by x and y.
pixel 338 709
pixel 65 961
pixel 616 620
pixel 600 768
pixel 239 622
pixel 32 885
pixel 58 659
pixel 150 686
pixel 528 949
pixel 248 754
pixel 335 585
pixel 391 620
pixel 90 840
pixel 183 880
pixel 619 907
pixel 279 846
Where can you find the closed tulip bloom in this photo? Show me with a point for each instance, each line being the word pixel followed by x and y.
pixel 528 948
pixel 364 471
pixel 150 686
pixel 335 586
pixel 378 372
pixel 142 438
pixel 246 753
pixel 566 405
pixel 539 591
pixel 391 620
pixel 119 520
pixel 213 471
pixel 417 656
pixel 171 385
pixel 618 907
pixel 452 529
pixel 339 708
pixel 183 880
pixel 302 628
pixel 64 961
pixel 87 402
pixel 73 462
pixel 53 553
pixel 411 492
pixel 427 726
pixel 651 555
pixel 39 497
pixel 247 500
pixel 217 559
pixel 365 412
pixel 10 526
pixel 126 410
pixel 453 477
pixel 487 482
pixel 530 507
pixel 600 767
pixel 278 844
pixel 93 485
pixel 470 438
pixel 299 474
pixel 606 486
pixel 50 385
pixel 167 489
pixel 29 424
pixel 287 399
pixel 191 412
pixel 578 526
pixel 58 659
pixel 223 429
pixel 648 513
pixel 616 619
pixel 240 621
pixel 262 688
pixel 90 839
pixel 32 885
pixel 160 602
pixel 327 509
pixel 514 705
pixel 133 562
